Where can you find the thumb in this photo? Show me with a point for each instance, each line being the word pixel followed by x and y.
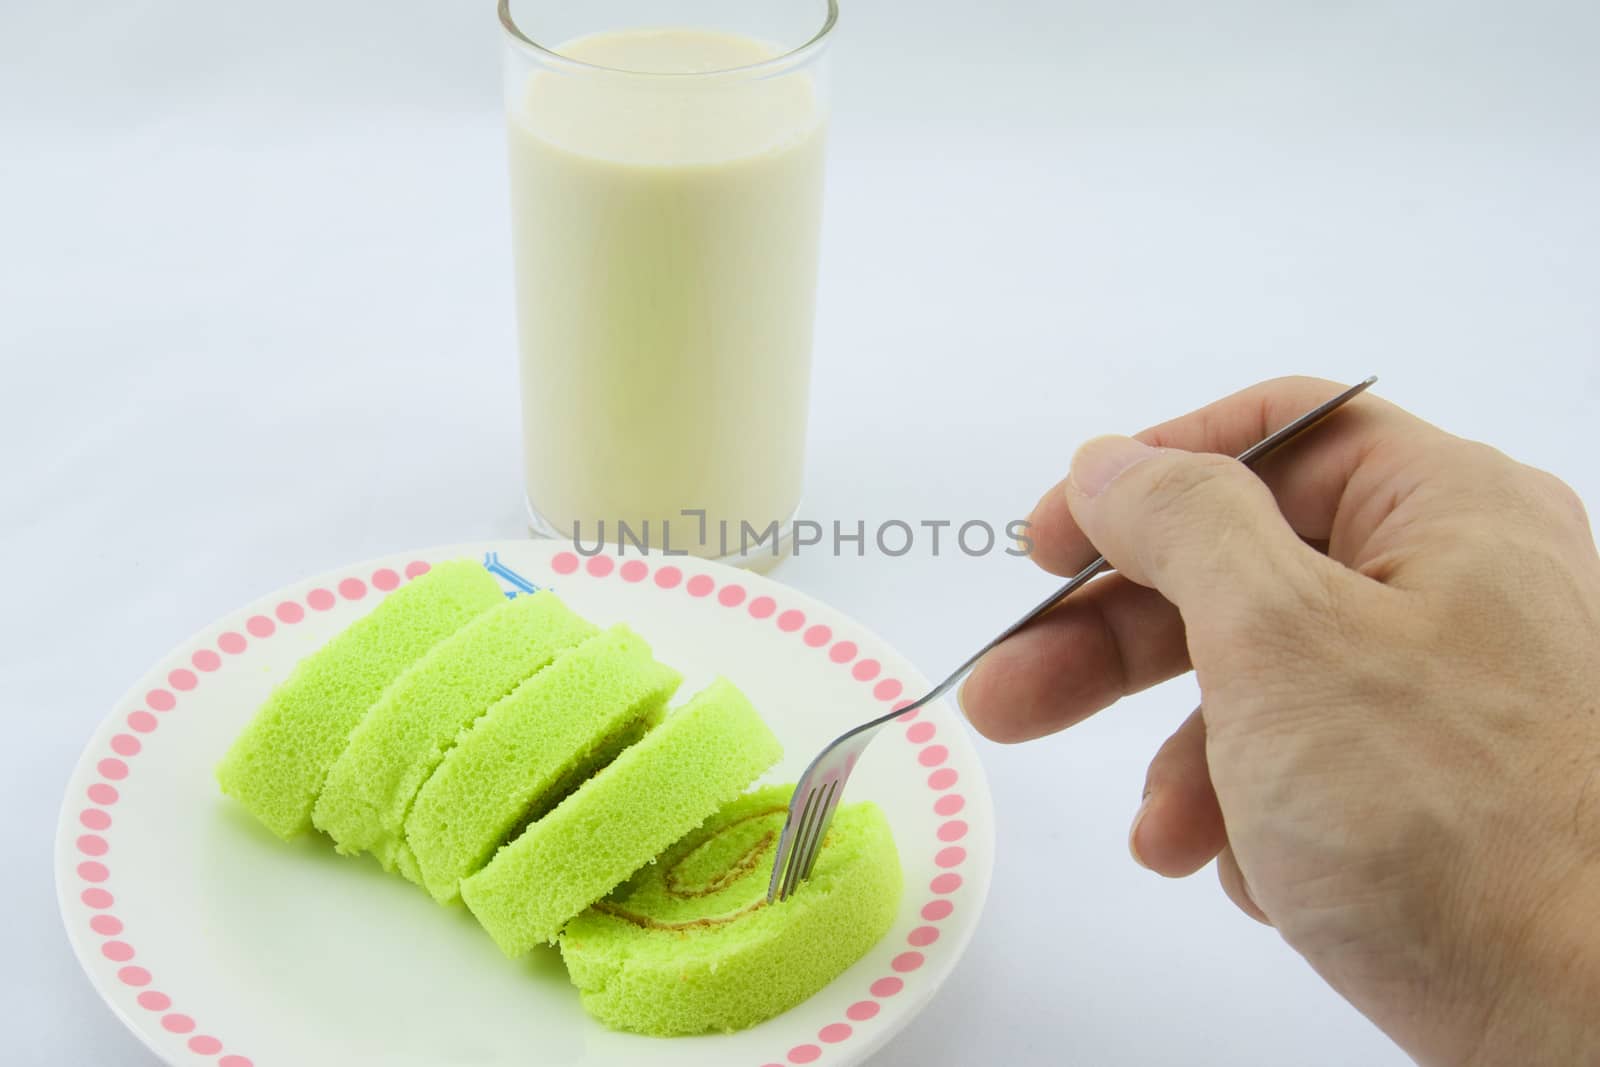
pixel 1199 528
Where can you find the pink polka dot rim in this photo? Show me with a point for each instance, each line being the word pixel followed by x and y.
pixel 884 988
pixel 862 1010
pixel 907 962
pixel 834 1033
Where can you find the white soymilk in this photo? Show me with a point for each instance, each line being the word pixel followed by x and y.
pixel 665 233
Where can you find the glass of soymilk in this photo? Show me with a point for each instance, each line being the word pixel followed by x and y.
pixel 666 198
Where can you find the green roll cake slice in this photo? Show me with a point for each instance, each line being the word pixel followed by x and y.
pixel 392 752
pixel 690 945
pixel 514 762
pixel 582 769
pixel 278 764
pixel 699 759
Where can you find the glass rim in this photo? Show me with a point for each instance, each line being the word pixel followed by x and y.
pixel 791 58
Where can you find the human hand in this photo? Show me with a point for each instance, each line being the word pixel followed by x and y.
pixel 1396 633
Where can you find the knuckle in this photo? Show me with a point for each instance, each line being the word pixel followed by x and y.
pixel 1563 498
pixel 1519 498
pixel 1195 503
pixel 1184 487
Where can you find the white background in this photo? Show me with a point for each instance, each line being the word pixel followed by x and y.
pixel 255 322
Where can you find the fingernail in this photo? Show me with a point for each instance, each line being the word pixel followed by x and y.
pixel 1101 460
pixel 1133 833
pixel 961 691
pixel 1023 542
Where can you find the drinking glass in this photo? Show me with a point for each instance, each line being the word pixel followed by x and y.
pixel 666 202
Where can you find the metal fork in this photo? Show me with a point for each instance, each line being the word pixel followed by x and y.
pixel 818 791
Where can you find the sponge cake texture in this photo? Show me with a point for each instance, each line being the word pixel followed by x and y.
pixel 277 765
pixel 403 738
pixel 511 762
pixel 699 759
pixel 690 944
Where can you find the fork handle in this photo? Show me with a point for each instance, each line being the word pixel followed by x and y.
pixel 1262 448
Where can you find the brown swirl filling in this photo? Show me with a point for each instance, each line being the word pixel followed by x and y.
pixel 678 887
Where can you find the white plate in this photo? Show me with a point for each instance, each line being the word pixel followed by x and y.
pixel 218 944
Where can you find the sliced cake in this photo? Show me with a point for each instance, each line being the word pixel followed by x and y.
pixel 690 945
pixel 526 751
pixel 278 764
pixel 656 791
pixel 405 736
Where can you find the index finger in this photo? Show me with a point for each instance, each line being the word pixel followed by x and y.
pixel 1309 484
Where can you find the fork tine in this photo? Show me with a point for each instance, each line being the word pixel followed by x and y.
pixel 801 802
pixel 805 853
pixel 802 841
pixel 791 873
pixel 819 834
pixel 780 855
